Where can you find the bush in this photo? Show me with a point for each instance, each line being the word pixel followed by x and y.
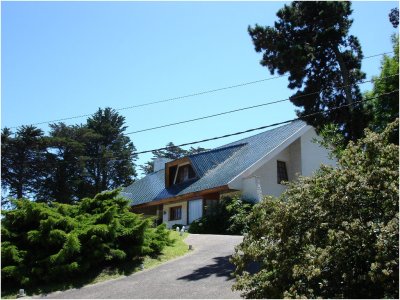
pixel 225 217
pixel 333 235
pixel 45 243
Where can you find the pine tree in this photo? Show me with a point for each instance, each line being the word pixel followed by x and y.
pixel 65 161
pixel 110 153
pixel 172 152
pixel 311 42
pixel 22 160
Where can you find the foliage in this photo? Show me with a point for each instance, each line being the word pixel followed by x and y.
pixel 112 152
pixel 172 152
pixel 44 243
pixel 177 247
pixel 22 160
pixel 311 42
pixel 385 108
pixel 394 17
pixel 71 163
pixel 227 216
pixel 333 235
pixel 332 139
pixel 65 160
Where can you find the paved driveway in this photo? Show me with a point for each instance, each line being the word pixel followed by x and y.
pixel 203 273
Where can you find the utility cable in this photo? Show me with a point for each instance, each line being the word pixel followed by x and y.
pixel 266 126
pixel 181 97
pixel 246 108
pixel 116 159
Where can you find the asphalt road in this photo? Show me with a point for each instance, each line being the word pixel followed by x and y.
pixel 203 273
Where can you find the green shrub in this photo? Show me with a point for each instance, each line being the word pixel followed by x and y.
pixel 156 239
pixel 228 216
pixel 48 243
pixel 333 235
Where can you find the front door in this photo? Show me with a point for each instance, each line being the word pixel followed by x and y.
pixel 195 210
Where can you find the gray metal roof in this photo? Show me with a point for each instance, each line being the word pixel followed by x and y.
pixel 214 168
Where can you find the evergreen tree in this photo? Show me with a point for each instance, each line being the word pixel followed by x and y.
pixel 394 17
pixel 311 42
pixel 110 153
pixel 22 160
pixel 173 152
pixel 65 161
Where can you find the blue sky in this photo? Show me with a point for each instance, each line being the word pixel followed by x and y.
pixel 62 59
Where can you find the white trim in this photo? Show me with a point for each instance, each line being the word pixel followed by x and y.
pixel 235 183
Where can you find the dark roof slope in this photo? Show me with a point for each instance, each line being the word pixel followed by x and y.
pixel 214 168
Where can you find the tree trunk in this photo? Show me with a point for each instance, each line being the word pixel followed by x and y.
pixel 355 126
pixel 345 76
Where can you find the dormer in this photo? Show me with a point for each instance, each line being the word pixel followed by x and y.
pixel 179 171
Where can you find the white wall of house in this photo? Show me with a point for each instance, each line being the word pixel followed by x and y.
pixel 267 174
pixel 313 154
pixel 251 189
pixel 183 219
pixel 302 157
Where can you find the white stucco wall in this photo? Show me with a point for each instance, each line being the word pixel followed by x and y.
pixel 313 154
pixel 251 189
pixel 183 219
pixel 267 174
pixel 302 157
pixel 295 166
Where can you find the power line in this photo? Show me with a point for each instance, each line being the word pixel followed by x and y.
pixel 266 126
pixel 181 97
pixel 165 100
pixel 380 54
pixel 115 159
pixel 245 108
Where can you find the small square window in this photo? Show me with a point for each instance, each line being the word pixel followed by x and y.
pixel 175 213
pixel 282 172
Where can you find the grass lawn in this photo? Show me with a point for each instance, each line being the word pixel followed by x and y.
pixel 176 249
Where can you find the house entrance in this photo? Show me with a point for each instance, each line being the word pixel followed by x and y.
pixel 195 210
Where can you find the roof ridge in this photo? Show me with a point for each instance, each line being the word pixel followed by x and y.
pixel 216 149
pixel 261 133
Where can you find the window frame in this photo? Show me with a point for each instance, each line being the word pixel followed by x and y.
pixel 281 171
pixel 177 172
pixel 174 208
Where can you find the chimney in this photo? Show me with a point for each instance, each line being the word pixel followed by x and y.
pixel 159 163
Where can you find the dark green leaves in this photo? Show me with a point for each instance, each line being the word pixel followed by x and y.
pixel 310 41
pixel 53 243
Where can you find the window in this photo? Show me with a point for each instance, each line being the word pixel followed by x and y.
pixel 282 172
pixel 175 213
pixel 172 172
pixel 185 173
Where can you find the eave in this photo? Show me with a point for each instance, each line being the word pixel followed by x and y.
pixel 223 188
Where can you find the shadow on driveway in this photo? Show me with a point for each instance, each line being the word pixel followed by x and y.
pixel 221 268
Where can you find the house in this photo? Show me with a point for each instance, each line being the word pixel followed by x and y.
pixel 178 191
